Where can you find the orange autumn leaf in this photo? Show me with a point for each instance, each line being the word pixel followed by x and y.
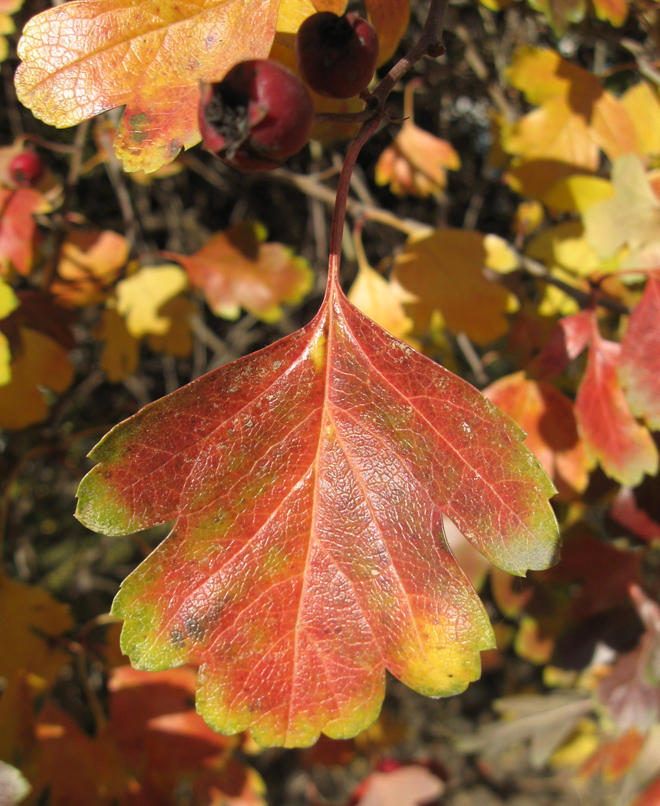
pixel 444 270
pixel 41 363
pixel 18 229
pixel 416 163
pixel 390 18
pixel 89 262
pixel 236 269
pixel 87 56
pixel 154 747
pixel 575 119
pixel 546 415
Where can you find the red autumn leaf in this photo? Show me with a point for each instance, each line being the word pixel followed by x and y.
pixel 87 56
pixel 639 363
pixel 632 514
pixel 566 341
pixel 624 448
pixel 650 796
pixel 18 228
pixel 154 743
pixel 307 483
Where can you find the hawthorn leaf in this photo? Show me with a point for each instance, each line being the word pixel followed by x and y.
pixel 612 435
pixel 632 688
pixel 575 118
pixel 380 299
pixel 141 296
pixel 237 269
pixel 633 516
pixel 153 747
pixel 87 56
pixel 411 785
pixel 642 103
pixel 547 417
pixel 630 217
pixel 89 263
pixel 569 337
pixel 41 364
pixel 7 8
pixel 307 483
pixel 18 228
pixel 444 270
pixel 639 362
pixel 121 351
pixel 416 163
pixel 29 619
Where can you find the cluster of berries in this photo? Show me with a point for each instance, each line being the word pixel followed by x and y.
pixel 261 113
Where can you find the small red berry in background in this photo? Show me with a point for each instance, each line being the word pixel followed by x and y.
pixel 336 56
pixel 26 168
pixel 257 116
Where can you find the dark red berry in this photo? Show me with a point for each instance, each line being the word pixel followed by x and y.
pixel 26 168
pixel 336 56
pixel 257 116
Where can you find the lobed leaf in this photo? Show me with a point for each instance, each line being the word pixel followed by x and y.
pixel 87 56
pixel 307 483
pixel 612 435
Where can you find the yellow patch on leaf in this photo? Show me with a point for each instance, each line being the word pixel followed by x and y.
pixel 87 56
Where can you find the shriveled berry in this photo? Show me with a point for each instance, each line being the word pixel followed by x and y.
pixel 26 168
pixel 336 56
pixel 257 116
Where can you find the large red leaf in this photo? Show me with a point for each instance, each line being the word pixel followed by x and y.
pixel 639 363
pixel 307 484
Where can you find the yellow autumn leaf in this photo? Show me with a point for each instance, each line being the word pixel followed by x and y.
pixel 444 270
pixel 5 360
pixel 577 193
pixel 8 299
pixel 41 364
pixel 141 296
pixel 642 103
pixel 7 8
pixel 382 302
pixel 575 118
pixel 121 351
pixel 631 217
